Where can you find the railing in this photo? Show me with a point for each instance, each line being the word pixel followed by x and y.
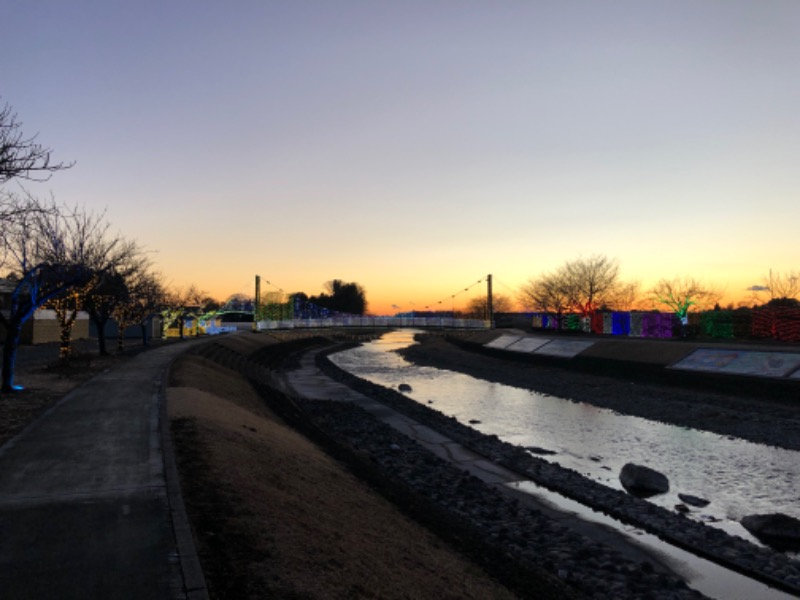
pixel 375 322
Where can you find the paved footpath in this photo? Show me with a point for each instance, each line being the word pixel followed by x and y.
pixel 87 507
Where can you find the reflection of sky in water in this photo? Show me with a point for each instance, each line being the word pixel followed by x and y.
pixel 739 477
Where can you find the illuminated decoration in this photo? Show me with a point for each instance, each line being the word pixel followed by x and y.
pixel 636 324
pixel 597 322
pixel 777 322
pixel 657 325
pixel 717 324
pixel 66 308
pixel 572 322
pixel 620 323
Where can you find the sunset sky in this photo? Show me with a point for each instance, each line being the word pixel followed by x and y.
pixel 416 146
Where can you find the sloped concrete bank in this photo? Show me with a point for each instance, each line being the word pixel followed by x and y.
pixel 756 409
pixel 760 563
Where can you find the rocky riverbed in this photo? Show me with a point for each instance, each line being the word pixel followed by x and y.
pixel 576 560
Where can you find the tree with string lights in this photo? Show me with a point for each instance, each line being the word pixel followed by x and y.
pixel 46 260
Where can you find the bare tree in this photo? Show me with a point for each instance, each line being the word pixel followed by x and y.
pixel 45 261
pixel 679 294
pixel 107 258
pixel 583 285
pixel 625 297
pixel 143 297
pixel 181 305
pixel 478 308
pixel 782 286
pixel 591 282
pixel 22 156
pixel 66 308
pixel 103 254
pixel 548 293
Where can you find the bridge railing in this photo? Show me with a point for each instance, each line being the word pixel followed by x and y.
pixel 375 322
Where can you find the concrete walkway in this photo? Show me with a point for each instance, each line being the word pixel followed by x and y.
pixel 87 507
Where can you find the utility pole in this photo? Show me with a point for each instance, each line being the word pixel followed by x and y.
pixel 489 307
pixel 257 301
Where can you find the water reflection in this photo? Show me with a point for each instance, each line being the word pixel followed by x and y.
pixel 738 477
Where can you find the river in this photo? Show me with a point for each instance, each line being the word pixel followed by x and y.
pixel 738 477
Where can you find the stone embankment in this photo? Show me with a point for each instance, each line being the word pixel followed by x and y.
pixel 593 570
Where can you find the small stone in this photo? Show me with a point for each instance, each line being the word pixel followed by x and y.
pixel 693 500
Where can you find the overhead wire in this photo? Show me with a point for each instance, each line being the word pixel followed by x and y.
pixel 453 296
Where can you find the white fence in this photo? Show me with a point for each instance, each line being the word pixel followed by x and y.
pixel 374 322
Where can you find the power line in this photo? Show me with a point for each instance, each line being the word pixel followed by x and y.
pixel 453 297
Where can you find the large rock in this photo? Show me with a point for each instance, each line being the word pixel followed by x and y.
pixel 643 481
pixel 780 531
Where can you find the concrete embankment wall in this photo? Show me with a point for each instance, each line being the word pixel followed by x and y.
pixel 770 370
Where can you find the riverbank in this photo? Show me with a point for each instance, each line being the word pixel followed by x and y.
pixel 637 383
pixel 643 400
pixel 274 514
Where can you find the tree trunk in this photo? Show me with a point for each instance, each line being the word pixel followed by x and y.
pixel 13 331
pixel 65 326
pixel 101 333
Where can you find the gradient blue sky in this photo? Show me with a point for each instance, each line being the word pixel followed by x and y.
pixel 415 146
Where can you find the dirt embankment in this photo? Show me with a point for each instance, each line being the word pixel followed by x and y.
pixel 758 417
pixel 275 516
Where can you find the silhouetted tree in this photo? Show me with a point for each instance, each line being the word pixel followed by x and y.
pixel 349 298
pixel 104 254
pixel 549 293
pixel 782 285
pixel 46 258
pixel 626 296
pixel 591 282
pixel 783 303
pixel 679 294
pixel 478 308
pixel 182 305
pixel 101 302
pixel 22 156
pixel 238 303
pixel 143 297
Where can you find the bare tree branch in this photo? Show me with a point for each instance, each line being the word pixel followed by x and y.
pixel 22 156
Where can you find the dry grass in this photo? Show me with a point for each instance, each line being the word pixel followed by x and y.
pixel 274 516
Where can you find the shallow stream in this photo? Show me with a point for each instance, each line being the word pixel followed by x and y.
pixel 736 476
